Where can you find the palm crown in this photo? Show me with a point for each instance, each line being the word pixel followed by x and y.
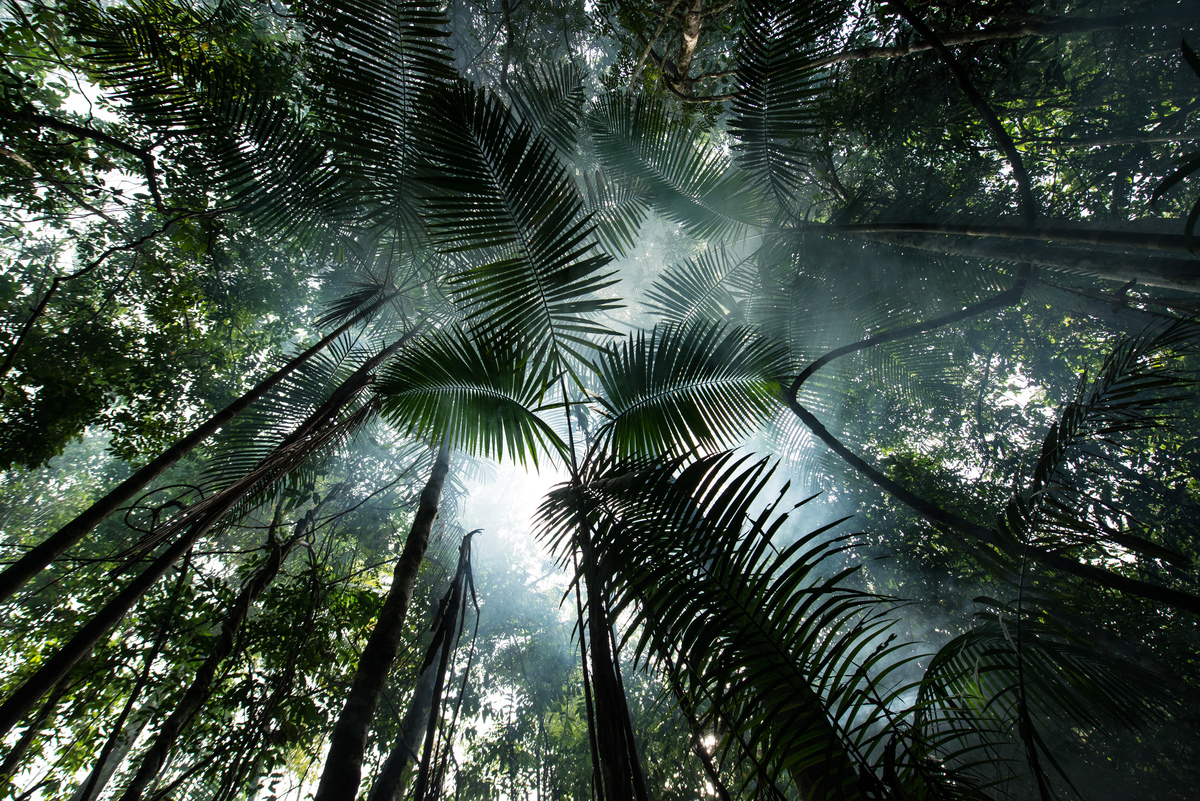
pixel 477 222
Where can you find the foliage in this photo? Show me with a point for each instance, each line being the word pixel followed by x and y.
pixel 1007 408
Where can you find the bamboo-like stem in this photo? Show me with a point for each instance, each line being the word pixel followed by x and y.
pixel 36 559
pixel 343 765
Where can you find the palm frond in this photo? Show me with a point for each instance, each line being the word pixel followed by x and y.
pixel 777 651
pixel 550 99
pixel 618 208
pixel 481 392
pixel 973 689
pixel 712 286
pixel 682 387
pixel 774 109
pixel 687 177
pixel 1125 400
pixel 501 190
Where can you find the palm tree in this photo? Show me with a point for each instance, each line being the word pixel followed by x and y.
pixel 369 145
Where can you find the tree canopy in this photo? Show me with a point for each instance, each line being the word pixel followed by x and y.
pixel 862 338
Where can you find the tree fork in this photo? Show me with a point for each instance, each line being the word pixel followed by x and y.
pixel 343 766
pixel 41 555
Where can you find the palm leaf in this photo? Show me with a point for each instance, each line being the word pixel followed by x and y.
pixel 686 176
pixel 774 109
pixel 972 690
pixel 775 649
pixel 712 286
pixel 550 99
pixel 619 209
pixel 1092 434
pixel 683 387
pixel 481 392
pixel 501 190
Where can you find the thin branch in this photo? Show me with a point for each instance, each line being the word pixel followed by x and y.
pixel 145 156
pixel 1038 27
pixel 1003 140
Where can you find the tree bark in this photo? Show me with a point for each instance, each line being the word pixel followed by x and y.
pixel 343 766
pixel 689 36
pixel 40 556
pixel 1156 271
pixel 388 785
pixel 181 717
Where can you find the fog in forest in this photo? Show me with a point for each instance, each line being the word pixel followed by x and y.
pixel 656 400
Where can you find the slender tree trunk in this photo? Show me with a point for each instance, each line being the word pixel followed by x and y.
pixel 1127 240
pixel 1154 271
pixel 343 765
pixel 620 770
pixel 92 787
pixel 318 430
pixel 123 734
pixel 389 785
pixel 155 757
pixel 39 557
pixel 13 759
pixel 448 614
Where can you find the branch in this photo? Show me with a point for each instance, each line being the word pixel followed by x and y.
pixel 1176 599
pixel 1006 298
pixel 703 99
pixel 145 156
pixel 1003 140
pixel 1036 27
pixel 650 44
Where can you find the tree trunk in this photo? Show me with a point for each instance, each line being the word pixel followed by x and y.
pixel 196 694
pixel 389 785
pixel 343 765
pixel 40 556
pixel 1126 240
pixel 13 759
pixel 689 36
pixel 318 430
pixel 1153 271
pixel 99 778
pixel 620 769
